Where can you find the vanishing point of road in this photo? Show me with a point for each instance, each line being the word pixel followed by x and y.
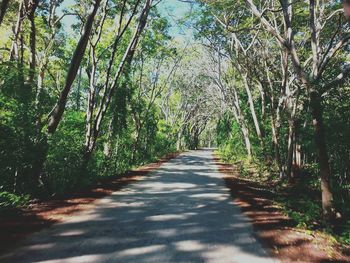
pixel 182 212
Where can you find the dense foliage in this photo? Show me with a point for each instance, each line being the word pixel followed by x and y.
pixel 133 130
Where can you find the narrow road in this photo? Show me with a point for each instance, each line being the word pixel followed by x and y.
pixel 180 213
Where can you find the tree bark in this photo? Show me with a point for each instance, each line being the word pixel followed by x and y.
pixel 14 51
pixel 290 149
pixel 320 141
pixel 247 143
pixel 252 111
pixel 78 97
pixel 3 9
pixel 276 145
pixel 179 139
pixel 91 101
pixel 107 148
pixel 237 112
pixel 31 16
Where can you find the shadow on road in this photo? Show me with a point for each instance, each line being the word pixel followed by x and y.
pixel 180 213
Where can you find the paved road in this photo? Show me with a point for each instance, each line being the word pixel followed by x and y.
pixel 180 213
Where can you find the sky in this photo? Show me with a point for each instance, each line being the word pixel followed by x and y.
pixel 173 10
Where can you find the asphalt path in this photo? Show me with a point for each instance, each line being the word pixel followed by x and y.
pixel 182 212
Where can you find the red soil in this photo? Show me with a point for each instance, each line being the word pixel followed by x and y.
pixel 41 214
pixel 276 230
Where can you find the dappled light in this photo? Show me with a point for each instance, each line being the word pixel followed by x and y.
pixel 152 221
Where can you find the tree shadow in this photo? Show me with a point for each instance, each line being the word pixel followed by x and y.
pixel 15 225
pixel 182 212
pixel 276 230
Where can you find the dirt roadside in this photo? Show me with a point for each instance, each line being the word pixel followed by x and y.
pixel 41 214
pixel 277 231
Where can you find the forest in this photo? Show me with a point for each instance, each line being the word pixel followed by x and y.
pixel 90 89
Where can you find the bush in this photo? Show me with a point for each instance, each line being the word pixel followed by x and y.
pixel 63 166
pixel 9 201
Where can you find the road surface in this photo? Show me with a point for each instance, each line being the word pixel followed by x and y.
pixel 182 212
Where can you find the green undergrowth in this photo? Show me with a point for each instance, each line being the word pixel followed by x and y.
pixel 299 199
pixel 10 201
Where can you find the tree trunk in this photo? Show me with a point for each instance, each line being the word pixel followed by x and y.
pixel 107 148
pixel 245 131
pixel 58 110
pixel 32 38
pixel 323 160
pixel 290 150
pixel 3 8
pixel 242 123
pixel 247 141
pixel 297 153
pixel 90 102
pixel 276 145
pixel 179 139
pixel 136 143
pixel 78 97
pixel 252 111
pixel 14 52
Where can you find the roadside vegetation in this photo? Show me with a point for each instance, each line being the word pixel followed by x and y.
pixel 285 85
pixel 75 109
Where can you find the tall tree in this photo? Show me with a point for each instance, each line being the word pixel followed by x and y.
pixel 57 112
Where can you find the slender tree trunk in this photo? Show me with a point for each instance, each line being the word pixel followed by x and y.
pixel 292 108
pixel 136 143
pixel 263 100
pixel 242 123
pixel 107 148
pixel 276 145
pixel 247 143
pixel 297 152
pixel 21 41
pixel 77 99
pixel 90 103
pixel 290 149
pixel 245 131
pixel 42 66
pixel 31 16
pixel 179 139
pixel 252 110
pixel 14 52
pixel 323 159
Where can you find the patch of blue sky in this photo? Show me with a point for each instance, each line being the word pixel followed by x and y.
pixel 68 20
pixel 174 10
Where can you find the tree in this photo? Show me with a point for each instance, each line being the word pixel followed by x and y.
pixel 55 115
pixel 314 77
